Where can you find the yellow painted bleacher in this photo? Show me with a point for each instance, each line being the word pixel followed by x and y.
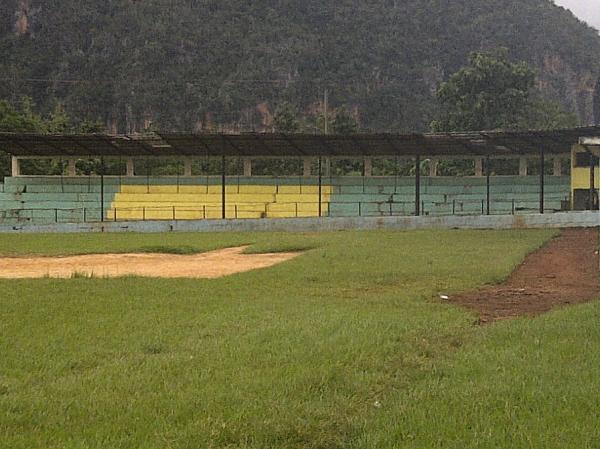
pixel 167 202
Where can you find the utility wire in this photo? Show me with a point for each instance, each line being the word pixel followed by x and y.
pixel 197 81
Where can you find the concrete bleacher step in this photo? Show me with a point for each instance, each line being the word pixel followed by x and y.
pixel 182 214
pixel 361 197
pixel 13 189
pixel 44 198
pixel 300 198
pixel 54 205
pixel 190 198
pixel 217 189
pixel 291 208
pixel 49 197
pixel 424 197
pixel 344 209
pixel 301 214
pixel 507 197
pixel 171 204
pixel 82 189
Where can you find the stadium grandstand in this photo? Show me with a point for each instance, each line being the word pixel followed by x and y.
pixel 177 176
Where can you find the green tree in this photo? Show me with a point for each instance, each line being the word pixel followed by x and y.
pixel 58 122
pixel 344 122
pixel 90 126
pixel 494 93
pixel 490 93
pixel 285 119
pixel 25 119
pixel 11 120
pixel 548 114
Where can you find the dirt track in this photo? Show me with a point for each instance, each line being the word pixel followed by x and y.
pixel 565 271
pixel 212 264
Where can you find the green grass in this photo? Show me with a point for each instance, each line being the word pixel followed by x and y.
pixel 346 346
pixel 172 243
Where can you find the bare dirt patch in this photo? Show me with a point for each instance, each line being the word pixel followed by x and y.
pixel 212 264
pixel 565 271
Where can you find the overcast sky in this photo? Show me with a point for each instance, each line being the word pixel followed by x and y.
pixel 588 10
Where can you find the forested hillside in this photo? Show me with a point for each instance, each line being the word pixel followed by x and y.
pixel 206 64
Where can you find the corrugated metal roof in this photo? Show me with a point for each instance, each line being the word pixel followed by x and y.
pixel 492 143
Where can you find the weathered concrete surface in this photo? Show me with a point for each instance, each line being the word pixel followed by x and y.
pixel 557 220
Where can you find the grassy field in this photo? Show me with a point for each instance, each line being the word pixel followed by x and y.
pixel 346 346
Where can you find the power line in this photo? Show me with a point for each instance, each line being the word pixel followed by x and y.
pixel 82 81
pixel 197 81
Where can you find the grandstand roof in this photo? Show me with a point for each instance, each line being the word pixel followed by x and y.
pixel 480 143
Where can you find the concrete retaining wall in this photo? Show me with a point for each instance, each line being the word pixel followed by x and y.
pixel 557 220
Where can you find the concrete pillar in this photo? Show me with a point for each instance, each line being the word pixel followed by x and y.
pixel 557 166
pixel 327 166
pixel 15 166
pixel 368 166
pixel 247 166
pixel 307 167
pixel 187 167
pixel 522 166
pixel 479 167
pixel 433 167
pixel 130 167
pixel 71 168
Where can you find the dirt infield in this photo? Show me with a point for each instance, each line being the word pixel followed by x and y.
pixel 565 271
pixel 212 264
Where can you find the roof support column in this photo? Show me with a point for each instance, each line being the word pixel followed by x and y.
pixel 593 201
pixel 187 167
pixel 306 167
pixel 247 167
pixel 418 185
pixel 15 166
pixel 223 199
pixel 71 168
pixel 557 169
pixel 479 167
pixel 327 171
pixel 130 169
pixel 102 190
pixel 542 179
pixel 523 166
pixel 320 186
pixel 487 184
pixel 433 167
pixel 368 167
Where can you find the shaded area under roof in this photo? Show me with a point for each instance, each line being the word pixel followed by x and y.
pixel 488 143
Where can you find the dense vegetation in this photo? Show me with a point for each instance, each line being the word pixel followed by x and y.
pixel 190 64
pixel 490 93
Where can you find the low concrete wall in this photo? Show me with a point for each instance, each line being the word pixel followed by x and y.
pixel 557 220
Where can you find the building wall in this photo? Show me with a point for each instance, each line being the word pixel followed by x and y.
pixel 581 180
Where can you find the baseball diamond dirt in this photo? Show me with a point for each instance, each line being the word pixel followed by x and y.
pixel 212 264
pixel 564 271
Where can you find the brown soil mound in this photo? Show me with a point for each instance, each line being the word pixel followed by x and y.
pixel 212 264
pixel 565 271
